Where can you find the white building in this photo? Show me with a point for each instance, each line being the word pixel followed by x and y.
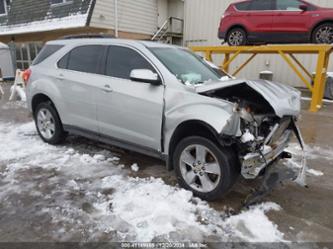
pixel 202 18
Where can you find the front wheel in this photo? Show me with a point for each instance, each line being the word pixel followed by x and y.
pixel 323 34
pixel 204 168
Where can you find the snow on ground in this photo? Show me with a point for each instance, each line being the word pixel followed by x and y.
pixel 78 192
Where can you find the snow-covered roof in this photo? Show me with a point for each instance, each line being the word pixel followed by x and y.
pixel 39 16
pixel 74 21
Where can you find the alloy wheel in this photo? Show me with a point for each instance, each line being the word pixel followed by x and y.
pixel 236 38
pixel 325 35
pixel 200 168
pixel 46 123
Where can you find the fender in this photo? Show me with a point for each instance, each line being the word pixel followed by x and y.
pixel 49 89
pixel 215 113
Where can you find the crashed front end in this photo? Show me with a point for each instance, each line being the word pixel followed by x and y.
pixel 264 118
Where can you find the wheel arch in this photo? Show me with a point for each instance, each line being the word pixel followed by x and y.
pixel 318 24
pixel 40 98
pixel 190 128
pixel 236 26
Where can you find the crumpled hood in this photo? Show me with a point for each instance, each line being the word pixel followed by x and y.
pixel 285 100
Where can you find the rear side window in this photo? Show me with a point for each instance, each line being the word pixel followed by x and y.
pixel 262 5
pixel 121 61
pixel 46 52
pixel 243 6
pixel 63 63
pixel 289 5
pixel 86 59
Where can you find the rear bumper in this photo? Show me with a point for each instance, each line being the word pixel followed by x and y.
pixel 254 163
pixel 221 35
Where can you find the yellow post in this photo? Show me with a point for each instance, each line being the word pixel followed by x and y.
pixel 320 81
pixel 208 55
pixel 288 53
pixel 244 64
pixel 301 66
pixel 227 63
pixel 293 67
pixel 225 66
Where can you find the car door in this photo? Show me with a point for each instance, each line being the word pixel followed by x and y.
pixel 260 16
pixel 129 111
pixel 289 19
pixel 76 77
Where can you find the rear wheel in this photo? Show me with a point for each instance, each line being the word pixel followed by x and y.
pixel 237 37
pixel 204 168
pixel 48 123
pixel 323 34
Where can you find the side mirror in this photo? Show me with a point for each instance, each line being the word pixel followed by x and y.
pixel 146 76
pixel 303 7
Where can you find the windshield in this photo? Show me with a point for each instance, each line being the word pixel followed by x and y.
pixel 185 65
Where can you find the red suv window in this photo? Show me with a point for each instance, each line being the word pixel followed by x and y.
pixel 288 5
pixel 256 5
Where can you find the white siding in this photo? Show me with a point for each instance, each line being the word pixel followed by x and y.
pixel 138 16
pixel 201 25
pixel 103 14
pixel 163 12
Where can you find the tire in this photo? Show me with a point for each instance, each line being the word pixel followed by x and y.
pixel 48 124
pixel 323 34
pixel 237 37
pixel 207 182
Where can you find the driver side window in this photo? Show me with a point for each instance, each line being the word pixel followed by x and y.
pixel 122 60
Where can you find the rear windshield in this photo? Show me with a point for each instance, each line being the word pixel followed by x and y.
pixel 46 52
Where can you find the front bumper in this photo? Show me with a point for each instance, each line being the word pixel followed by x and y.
pixel 254 163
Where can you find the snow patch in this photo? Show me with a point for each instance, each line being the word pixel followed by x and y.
pixel 254 226
pixel 135 167
pixel 87 192
pixel 247 137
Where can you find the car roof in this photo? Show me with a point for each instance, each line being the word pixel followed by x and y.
pixel 109 41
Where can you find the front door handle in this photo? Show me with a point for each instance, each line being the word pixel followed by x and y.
pixel 107 88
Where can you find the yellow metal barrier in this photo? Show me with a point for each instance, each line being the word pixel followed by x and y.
pixel 287 52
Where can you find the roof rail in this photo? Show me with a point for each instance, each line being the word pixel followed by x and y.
pixel 86 35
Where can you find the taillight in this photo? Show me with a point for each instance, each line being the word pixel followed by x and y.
pixel 26 76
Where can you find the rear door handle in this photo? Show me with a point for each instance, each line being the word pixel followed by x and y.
pixel 107 88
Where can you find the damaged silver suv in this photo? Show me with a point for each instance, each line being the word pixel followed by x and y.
pixel 163 101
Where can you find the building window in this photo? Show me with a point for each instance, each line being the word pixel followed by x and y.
pixel 26 53
pixel 60 2
pixel 3 7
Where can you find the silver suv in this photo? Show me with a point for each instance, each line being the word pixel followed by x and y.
pixel 163 101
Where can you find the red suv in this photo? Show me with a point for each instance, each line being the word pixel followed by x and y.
pixel 276 21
